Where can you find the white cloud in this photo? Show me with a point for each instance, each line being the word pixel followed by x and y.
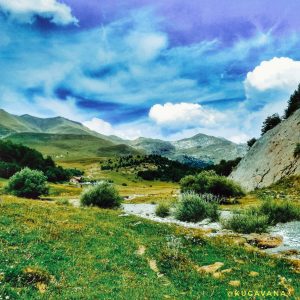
pixel 268 88
pixel 128 131
pixel 184 115
pixel 281 74
pixel 25 11
pixel 100 126
pixel 147 46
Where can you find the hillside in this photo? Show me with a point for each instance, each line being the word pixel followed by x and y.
pixel 70 146
pixel 199 150
pixel 18 124
pixel 271 157
pixel 50 251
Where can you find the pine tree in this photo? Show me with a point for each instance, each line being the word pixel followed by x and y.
pixel 293 103
pixel 270 123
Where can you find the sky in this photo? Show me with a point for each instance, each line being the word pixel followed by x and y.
pixel 162 69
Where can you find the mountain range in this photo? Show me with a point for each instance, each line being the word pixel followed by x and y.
pixel 61 138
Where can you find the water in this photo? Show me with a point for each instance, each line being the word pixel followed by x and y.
pixel 291 236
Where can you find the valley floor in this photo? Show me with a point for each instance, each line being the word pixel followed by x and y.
pixel 51 251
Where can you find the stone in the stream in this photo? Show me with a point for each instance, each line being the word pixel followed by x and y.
pixel 264 241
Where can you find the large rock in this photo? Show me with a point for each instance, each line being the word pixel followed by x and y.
pixel 271 157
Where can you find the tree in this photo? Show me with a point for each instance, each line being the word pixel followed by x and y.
pixel 28 183
pixel 293 103
pixel 270 123
pixel 251 142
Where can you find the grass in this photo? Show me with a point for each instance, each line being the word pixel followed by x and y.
pixel 280 211
pixel 192 207
pixel 247 223
pixel 50 251
pixel 71 146
pixel 162 210
pixel 268 213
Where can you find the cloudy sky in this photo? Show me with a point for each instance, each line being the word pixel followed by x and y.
pixel 165 69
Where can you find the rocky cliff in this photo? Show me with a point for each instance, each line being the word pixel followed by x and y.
pixel 271 157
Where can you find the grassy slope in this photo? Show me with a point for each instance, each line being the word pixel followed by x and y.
pixel 91 254
pixel 69 146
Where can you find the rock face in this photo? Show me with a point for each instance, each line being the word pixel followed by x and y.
pixel 271 157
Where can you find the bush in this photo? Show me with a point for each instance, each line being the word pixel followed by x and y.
pixel 297 150
pixel 251 142
pixel 258 219
pixel 209 182
pixel 270 123
pixel 247 223
pixel 28 183
pixel 162 210
pixel 103 195
pixel 193 208
pixel 279 211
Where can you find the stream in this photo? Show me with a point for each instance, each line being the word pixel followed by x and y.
pixel 289 231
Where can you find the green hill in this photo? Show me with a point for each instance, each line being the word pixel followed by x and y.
pixel 70 146
pixel 10 123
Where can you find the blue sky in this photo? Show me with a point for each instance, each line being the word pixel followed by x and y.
pixel 145 68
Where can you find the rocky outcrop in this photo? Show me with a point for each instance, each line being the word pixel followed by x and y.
pixel 271 157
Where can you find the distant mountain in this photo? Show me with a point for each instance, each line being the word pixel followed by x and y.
pixel 271 157
pixel 198 150
pixel 16 124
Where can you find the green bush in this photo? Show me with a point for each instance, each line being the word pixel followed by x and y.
pixel 211 183
pixel 28 183
pixel 247 223
pixel 162 210
pixel 103 195
pixel 279 211
pixel 258 219
pixel 193 208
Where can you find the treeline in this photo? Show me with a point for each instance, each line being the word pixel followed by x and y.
pixel 157 167
pixel 14 157
pixel 225 167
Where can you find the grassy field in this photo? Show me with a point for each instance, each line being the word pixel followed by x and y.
pixel 127 184
pixel 50 251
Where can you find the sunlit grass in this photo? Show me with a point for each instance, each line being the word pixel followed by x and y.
pixel 91 253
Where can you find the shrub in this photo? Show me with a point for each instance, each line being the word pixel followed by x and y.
pixel 162 210
pixel 209 182
pixel 270 123
pixel 279 211
pixel 28 183
pixel 251 142
pixel 247 223
pixel 103 195
pixel 193 208
pixel 297 150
